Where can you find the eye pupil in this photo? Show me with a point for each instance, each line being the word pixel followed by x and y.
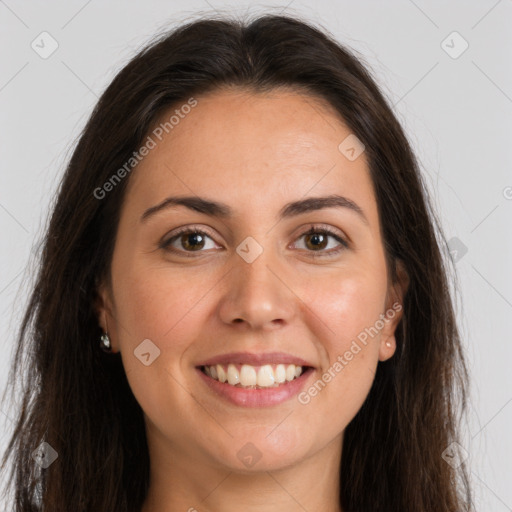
pixel 186 238
pixel 316 237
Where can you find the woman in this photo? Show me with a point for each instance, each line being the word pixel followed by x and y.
pixel 243 230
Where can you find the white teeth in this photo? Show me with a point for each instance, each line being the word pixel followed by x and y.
pixel 281 373
pixel 248 376
pixel 233 375
pixel 265 376
pixel 221 374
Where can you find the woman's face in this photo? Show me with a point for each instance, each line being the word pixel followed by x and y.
pixel 251 284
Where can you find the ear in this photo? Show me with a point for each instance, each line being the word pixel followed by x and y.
pixel 394 312
pixel 103 306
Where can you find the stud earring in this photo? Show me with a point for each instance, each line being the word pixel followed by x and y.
pixel 105 344
pixel 388 344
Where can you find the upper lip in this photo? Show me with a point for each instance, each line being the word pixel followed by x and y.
pixel 256 359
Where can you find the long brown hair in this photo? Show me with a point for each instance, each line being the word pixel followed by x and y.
pixel 78 400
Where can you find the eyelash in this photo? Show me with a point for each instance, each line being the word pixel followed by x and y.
pixel 165 245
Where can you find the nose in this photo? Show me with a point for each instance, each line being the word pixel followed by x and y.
pixel 258 295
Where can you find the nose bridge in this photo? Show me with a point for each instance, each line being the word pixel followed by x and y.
pixel 257 294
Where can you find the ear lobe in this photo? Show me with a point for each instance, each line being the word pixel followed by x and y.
pixel 103 304
pixel 394 312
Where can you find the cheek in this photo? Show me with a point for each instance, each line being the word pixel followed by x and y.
pixel 159 304
pixel 348 305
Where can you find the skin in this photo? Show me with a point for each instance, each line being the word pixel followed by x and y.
pixel 255 152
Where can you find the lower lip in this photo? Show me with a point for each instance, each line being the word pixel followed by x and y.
pixel 257 397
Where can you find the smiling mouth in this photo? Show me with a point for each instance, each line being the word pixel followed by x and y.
pixel 254 377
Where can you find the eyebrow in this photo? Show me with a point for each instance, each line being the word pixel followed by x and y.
pixel 222 210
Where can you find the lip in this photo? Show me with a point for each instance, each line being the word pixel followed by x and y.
pixel 255 359
pixel 257 397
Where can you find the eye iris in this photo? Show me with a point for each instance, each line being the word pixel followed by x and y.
pixel 316 236
pixel 185 238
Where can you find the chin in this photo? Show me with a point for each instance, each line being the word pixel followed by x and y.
pixel 263 450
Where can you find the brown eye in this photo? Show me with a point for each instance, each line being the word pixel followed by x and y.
pixel 192 241
pixel 187 241
pixel 316 240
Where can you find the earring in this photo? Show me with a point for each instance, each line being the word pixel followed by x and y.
pixel 105 344
pixel 388 344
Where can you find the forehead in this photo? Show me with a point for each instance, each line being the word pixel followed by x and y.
pixel 254 151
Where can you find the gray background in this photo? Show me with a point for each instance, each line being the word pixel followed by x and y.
pixel 456 110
